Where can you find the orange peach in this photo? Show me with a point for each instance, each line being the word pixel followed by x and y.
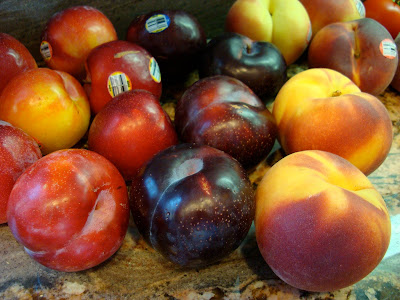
pixel 324 12
pixel 285 24
pixel 362 49
pixel 51 106
pixel 320 223
pixel 321 109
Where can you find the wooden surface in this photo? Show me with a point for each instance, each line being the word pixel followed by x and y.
pixel 136 271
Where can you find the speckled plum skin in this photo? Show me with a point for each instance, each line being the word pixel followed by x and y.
pixel 69 210
pixel 224 113
pixel 320 223
pixel 118 130
pixel 194 204
pixel 18 151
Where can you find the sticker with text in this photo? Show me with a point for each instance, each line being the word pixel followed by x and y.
pixel 157 23
pixel 118 82
pixel 46 50
pixel 154 70
pixel 388 48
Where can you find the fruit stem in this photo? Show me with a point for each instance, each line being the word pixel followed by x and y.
pixel 336 93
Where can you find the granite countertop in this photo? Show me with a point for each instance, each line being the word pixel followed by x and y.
pixel 136 271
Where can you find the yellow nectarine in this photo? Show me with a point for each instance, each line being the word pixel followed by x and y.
pixel 321 109
pixel 320 223
pixel 49 105
pixel 286 24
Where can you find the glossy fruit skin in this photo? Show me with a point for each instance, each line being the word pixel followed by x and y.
pixel 222 112
pixel 71 34
pixel 49 105
pixel 259 65
pixel 130 130
pixel 18 151
pixel 118 56
pixel 69 210
pixel 355 48
pixel 175 48
pixel 316 213
pixel 193 204
pixel 15 58
pixel 386 12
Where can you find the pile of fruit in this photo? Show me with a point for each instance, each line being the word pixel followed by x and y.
pixel 86 142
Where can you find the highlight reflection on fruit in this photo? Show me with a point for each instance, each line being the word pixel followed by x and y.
pixel 78 215
pixel 194 204
pixel 71 34
pixel 50 106
pixel 18 151
pixel 15 59
pixel 116 67
pixel 362 50
pixel 259 65
pixel 222 112
pixel 130 130
pixel 174 37
pixel 320 223
pixel 321 109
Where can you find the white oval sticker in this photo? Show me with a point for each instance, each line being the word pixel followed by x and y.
pixel 388 48
pixel 157 23
pixel 117 83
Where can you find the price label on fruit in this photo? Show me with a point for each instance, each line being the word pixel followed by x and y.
pixel 157 23
pixel 388 48
pixel 118 82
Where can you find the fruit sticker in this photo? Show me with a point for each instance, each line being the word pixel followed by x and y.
pixel 388 48
pixel 117 83
pixel 360 8
pixel 154 70
pixel 157 23
pixel 46 50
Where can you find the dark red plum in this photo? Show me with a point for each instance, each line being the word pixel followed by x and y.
pixel 194 204
pixel 174 37
pixel 222 112
pixel 259 65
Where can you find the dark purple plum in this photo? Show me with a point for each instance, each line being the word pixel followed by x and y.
pixel 259 65
pixel 194 204
pixel 222 112
pixel 174 37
